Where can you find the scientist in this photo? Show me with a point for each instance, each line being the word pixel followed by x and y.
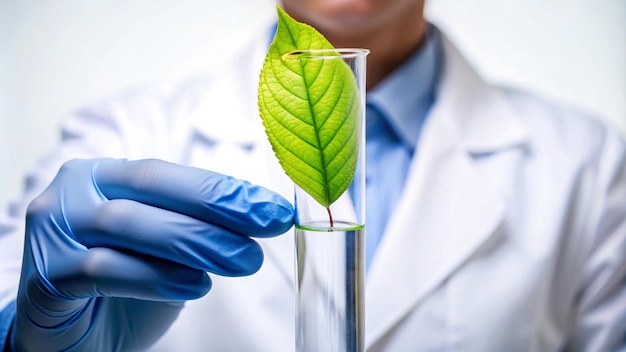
pixel 496 220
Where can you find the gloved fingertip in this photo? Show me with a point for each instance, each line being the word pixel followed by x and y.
pixel 252 263
pixel 202 288
pixel 185 291
pixel 274 218
pixel 182 285
pixel 247 262
pixel 255 262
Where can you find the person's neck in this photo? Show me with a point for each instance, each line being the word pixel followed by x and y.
pixel 389 47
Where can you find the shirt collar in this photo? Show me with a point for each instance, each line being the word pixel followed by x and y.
pixel 405 96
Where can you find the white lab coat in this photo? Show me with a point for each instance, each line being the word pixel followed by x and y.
pixel 509 236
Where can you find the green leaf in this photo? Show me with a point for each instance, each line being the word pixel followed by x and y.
pixel 309 109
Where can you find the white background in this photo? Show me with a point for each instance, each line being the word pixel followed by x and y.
pixel 56 56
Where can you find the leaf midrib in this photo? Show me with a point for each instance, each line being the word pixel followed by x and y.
pixel 317 135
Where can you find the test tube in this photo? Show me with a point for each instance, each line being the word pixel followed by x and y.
pixel 330 244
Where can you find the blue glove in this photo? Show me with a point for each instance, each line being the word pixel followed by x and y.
pixel 113 249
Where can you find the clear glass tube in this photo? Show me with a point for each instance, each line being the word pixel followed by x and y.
pixel 330 249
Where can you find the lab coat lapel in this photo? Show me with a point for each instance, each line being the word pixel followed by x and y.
pixel 449 208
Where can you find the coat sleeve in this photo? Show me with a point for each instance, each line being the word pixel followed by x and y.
pixel 600 324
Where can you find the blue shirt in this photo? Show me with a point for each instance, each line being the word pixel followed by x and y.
pixel 396 110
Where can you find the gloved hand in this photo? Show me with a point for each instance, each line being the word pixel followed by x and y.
pixel 113 249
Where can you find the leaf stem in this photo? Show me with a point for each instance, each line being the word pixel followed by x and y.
pixel 330 217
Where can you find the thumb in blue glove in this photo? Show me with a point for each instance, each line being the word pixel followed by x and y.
pixel 114 248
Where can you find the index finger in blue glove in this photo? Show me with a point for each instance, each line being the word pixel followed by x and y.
pixel 208 196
